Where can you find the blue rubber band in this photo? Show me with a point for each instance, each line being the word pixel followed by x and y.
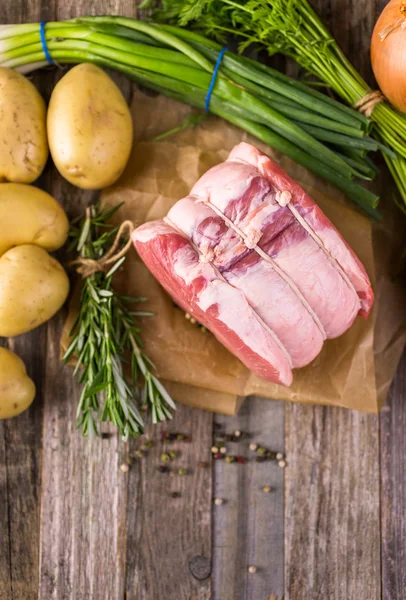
pixel 44 42
pixel 213 78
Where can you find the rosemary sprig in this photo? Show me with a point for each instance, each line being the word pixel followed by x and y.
pixel 104 334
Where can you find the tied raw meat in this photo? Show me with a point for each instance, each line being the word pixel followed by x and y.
pixel 253 258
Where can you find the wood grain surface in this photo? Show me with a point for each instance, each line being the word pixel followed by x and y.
pixel 76 526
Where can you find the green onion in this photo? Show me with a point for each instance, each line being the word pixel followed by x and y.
pixel 283 113
pixel 293 28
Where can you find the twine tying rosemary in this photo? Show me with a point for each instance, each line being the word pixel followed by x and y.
pixel 89 266
pixel 367 104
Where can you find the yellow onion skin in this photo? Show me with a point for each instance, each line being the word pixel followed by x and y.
pixel 388 56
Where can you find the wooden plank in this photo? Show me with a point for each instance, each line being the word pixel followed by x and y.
pixel 86 546
pixel 84 493
pixel 248 526
pixel 332 547
pixel 21 437
pixel 169 538
pixel 393 488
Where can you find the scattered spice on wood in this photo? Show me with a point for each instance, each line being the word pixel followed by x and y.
pixel 167 438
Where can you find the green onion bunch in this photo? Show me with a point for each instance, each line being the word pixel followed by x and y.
pixel 293 28
pixel 314 130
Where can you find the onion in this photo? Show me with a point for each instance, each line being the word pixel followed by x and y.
pixel 388 53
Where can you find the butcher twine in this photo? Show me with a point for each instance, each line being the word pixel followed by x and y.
pixel 203 259
pixel 367 104
pixel 250 239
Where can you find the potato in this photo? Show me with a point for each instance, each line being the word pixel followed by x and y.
pixel 33 287
pixel 23 139
pixel 17 390
pixel 89 128
pixel 30 216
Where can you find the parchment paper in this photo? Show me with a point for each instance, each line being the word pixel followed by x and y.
pixel 353 371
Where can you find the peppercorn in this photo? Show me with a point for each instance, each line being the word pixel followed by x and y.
pixel 188 316
pixel 172 454
pixel 218 501
pixel 279 456
pixel 203 464
pixel 218 456
pixel 266 489
pixel 253 447
pixel 148 444
pixel 282 464
pixel 270 455
pixel 223 450
pixel 139 453
pixel 237 433
pixel 230 459
pixel 260 459
pixel 241 459
pixel 252 569
pixel 182 472
pixel 125 468
pixel 163 469
pixel 214 450
pixel 175 494
pixel 261 450
pixel 165 457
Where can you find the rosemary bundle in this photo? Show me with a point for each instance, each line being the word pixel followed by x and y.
pixel 293 28
pixel 105 338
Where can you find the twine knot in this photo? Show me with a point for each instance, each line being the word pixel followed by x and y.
pixel 89 266
pixel 367 104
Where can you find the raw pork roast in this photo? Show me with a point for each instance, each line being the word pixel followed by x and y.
pixel 252 257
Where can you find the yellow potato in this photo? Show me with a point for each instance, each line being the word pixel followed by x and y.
pixel 30 216
pixel 23 139
pixel 33 287
pixel 17 390
pixel 89 128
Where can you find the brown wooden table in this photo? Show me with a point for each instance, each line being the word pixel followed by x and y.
pixel 74 526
